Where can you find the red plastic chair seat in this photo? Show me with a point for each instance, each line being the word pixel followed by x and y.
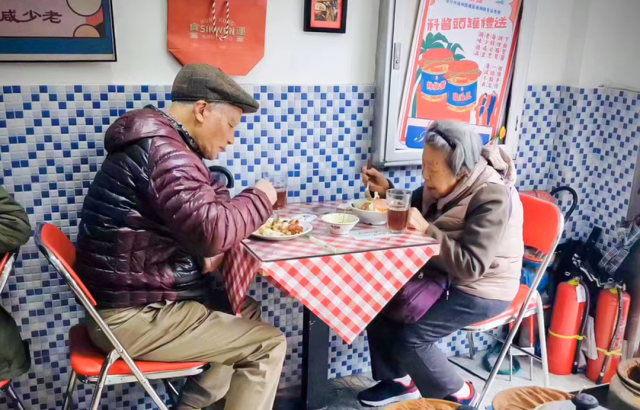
pixel 4 384
pixel 512 311
pixel 87 360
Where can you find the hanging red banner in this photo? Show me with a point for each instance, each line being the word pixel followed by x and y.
pixel 228 34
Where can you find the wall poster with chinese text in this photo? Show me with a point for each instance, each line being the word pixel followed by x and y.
pixel 56 30
pixel 459 68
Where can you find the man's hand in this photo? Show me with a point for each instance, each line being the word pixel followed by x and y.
pixel 213 263
pixel 266 187
pixel 417 221
pixel 377 182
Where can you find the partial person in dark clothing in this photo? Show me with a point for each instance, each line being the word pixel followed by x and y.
pixel 155 223
pixel 14 224
pixel 15 231
pixel 469 205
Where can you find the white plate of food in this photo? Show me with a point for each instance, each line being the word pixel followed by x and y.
pixel 282 229
pixel 372 212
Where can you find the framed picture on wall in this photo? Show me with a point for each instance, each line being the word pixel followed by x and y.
pixel 326 16
pixel 57 30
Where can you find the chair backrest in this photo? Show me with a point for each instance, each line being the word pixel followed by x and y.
pixel 6 266
pixel 543 224
pixel 61 253
pixel 59 250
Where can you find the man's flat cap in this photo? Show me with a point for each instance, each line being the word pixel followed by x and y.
pixel 197 82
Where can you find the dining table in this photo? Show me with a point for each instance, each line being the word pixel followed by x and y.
pixel 343 281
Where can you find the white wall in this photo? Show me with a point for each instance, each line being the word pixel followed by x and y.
pixel 586 43
pixel 612 45
pixel 292 56
pixel 550 42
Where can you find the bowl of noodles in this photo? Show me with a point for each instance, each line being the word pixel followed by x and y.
pixel 370 211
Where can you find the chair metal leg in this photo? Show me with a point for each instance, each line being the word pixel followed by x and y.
pixel 472 348
pixel 17 404
pixel 532 345
pixel 154 396
pixel 510 365
pixel 68 397
pixel 143 381
pixel 477 403
pixel 496 367
pixel 543 340
pixel 104 372
pixel 171 391
pixel 531 369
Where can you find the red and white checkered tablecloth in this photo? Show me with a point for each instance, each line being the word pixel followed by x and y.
pixel 347 289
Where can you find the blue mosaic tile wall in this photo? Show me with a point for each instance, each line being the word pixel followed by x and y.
pixel 587 139
pixel 51 146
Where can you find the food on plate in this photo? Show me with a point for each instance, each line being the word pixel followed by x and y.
pixel 375 204
pixel 281 227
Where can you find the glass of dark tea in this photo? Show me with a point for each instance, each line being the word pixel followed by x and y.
pixel 279 181
pixel 398 201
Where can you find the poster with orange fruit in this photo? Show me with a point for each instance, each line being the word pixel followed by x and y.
pixel 460 67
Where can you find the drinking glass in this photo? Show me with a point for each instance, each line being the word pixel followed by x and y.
pixel 279 181
pixel 398 201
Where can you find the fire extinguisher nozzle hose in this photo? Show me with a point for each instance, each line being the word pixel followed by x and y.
pixel 583 327
pixel 607 357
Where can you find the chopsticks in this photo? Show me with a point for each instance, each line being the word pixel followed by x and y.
pixel 322 244
pixel 367 192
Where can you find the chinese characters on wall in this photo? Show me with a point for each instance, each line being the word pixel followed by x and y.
pixel 461 69
pixel 56 30
pixel 446 24
pixel 10 16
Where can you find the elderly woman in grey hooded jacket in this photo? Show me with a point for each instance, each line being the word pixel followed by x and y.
pixel 468 203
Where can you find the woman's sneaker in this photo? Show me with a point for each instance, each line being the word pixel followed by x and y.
pixel 387 392
pixel 465 401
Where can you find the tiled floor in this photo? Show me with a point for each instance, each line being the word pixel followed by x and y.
pixel 342 394
pixel 343 391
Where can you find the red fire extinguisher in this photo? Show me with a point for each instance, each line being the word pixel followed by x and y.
pixel 567 326
pixel 611 321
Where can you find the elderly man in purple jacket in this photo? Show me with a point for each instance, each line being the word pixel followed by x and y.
pixel 155 222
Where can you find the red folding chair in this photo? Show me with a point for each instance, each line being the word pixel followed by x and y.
pixel 542 230
pixel 5 386
pixel 88 363
pixel 6 267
